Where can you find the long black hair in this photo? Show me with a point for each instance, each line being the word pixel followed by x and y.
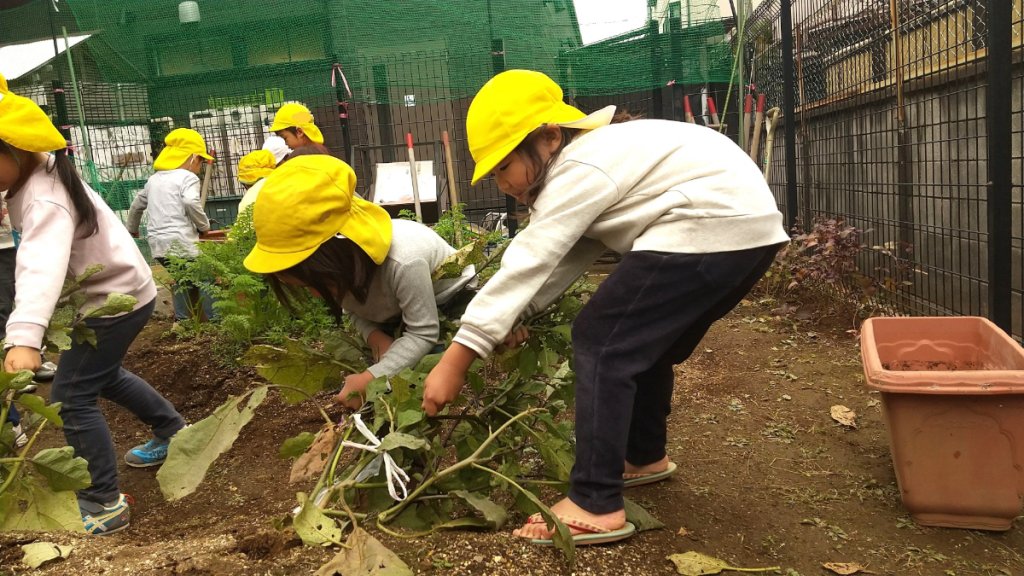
pixel 337 268
pixel 88 221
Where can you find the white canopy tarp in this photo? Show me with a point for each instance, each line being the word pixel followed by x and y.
pixel 20 59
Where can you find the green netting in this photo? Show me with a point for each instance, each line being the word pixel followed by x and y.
pixel 370 70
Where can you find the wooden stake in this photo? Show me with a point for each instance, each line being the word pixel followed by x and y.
pixel 415 178
pixel 453 191
pixel 755 141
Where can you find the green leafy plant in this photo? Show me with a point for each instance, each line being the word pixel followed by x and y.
pixel 248 311
pixel 37 490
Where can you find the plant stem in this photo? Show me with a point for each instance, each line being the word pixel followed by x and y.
pixel 300 391
pixel 20 461
pixel 471 460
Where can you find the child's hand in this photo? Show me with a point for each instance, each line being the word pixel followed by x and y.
pixel 441 387
pixel 22 358
pixel 354 391
pixel 446 380
pixel 516 337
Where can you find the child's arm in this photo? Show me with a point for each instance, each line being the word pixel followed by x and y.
pixel 193 205
pixel 135 212
pixel 48 231
pixel 414 291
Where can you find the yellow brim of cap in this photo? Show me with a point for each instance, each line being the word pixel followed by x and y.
pixel 309 129
pixel 171 158
pixel 262 261
pixel 595 119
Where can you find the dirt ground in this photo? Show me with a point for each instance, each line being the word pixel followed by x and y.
pixel 766 477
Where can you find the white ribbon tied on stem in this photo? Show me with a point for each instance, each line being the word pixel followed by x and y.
pixel 393 472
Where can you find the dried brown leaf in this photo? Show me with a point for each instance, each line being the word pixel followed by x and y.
pixel 844 415
pixel 313 461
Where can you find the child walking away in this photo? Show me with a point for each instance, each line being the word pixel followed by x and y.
pixel 66 227
pixel 171 198
pixel 697 227
pixel 312 232
pixel 294 122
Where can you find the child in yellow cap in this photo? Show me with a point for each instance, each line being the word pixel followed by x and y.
pixel 312 232
pixel 171 199
pixel 294 122
pixel 697 227
pixel 257 165
pixel 65 228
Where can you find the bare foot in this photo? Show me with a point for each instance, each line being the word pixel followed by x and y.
pixel 652 468
pixel 568 509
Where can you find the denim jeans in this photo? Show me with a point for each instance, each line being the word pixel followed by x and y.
pixel 86 374
pixel 649 315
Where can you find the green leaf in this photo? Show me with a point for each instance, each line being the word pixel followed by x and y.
pixel 468 523
pixel 115 304
pixel 195 448
pixel 365 556
pixel 36 404
pixel 562 538
pixel 39 553
pixel 408 418
pixel 296 366
pixel 641 518
pixel 314 527
pixel 494 515
pixel 528 362
pixel 296 445
pixel 15 380
pixel 453 265
pixel 403 440
pixel 62 469
pixel 427 363
pixel 558 457
pixel 82 334
pixel 564 330
pixel 34 506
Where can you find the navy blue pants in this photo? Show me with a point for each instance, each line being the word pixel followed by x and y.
pixel 649 315
pixel 86 374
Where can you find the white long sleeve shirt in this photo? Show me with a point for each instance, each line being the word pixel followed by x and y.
pixel 52 249
pixel 175 214
pixel 641 185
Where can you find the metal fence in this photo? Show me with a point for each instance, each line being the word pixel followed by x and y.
pixel 903 117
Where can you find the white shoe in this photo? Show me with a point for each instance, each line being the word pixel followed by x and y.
pixel 20 439
pixel 46 372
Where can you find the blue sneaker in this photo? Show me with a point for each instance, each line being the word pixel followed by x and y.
pixel 152 453
pixel 103 519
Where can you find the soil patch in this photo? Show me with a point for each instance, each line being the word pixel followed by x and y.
pixel 766 477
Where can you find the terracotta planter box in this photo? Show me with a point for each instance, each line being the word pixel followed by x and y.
pixel 953 398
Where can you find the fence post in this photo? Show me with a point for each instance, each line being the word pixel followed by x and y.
pixel 498 66
pixel 788 111
pixel 382 95
pixel 657 61
pixel 904 171
pixel 999 117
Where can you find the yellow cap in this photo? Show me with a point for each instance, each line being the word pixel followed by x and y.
pixel 179 145
pixel 304 203
pixel 513 104
pixel 295 115
pixel 25 126
pixel 255 165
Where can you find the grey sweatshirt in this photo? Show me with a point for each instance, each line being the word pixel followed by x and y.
pixel 641 185
pixel 402 290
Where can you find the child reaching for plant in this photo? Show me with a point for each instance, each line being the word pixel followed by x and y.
pixel 65 228
pixel 312 232
pixel 697 227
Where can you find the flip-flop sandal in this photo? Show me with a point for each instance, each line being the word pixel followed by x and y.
pixel 633 480
pixel 592 534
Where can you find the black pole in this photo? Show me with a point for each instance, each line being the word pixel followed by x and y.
pixel 382 95
pixel 1000 199
pixel 789 111
pixel 498 66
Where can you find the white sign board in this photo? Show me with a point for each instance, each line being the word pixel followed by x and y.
pixel 393 183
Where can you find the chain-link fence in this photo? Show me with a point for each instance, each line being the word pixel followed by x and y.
pixel 892 123
pixel 370 71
